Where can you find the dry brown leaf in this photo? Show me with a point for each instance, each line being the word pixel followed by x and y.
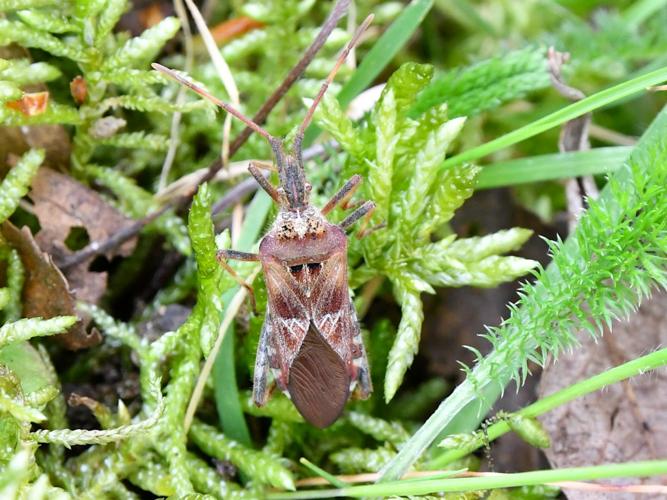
pixel 30 103
pixel 623 422
pixel 62 204
pixel 46 293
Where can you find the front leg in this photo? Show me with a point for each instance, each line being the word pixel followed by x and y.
pixel 343 195
pixel 222 257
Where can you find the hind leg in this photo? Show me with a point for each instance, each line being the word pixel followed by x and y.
pixel 260 388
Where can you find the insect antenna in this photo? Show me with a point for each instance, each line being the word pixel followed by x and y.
pixel 339 62
pixel 274 141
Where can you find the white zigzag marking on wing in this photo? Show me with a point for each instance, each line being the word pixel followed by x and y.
pixel 329 322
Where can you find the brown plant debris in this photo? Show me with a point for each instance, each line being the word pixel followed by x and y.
pixel 46 292
pixel 623 422
pixel 66 208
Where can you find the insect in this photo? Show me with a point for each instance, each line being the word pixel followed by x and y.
pixel 310 339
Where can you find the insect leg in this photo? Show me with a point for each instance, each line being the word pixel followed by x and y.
pixel 260 390
pixel 365 210
pixel 222 257
pixel 263 182
pixel 343 194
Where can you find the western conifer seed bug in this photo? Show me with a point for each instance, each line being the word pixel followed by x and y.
pixel 310 339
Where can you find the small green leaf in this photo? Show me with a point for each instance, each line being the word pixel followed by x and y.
pixel 15 31
pixel 17 182
pixel 27 328
pixel 407 338
pixel 143 49
pixel 529 429
pixel 256 464
pixel 23 72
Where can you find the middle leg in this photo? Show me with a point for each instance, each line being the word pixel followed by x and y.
pixel 223 255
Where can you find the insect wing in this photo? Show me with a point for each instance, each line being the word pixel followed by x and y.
pixel 319 382
pixel 289 320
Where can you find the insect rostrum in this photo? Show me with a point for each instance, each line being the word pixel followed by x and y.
pixel 310 341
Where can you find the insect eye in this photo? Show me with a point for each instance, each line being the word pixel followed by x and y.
pixel 314 266
pixel 295 269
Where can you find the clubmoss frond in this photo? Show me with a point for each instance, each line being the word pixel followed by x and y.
pixel 122 332
pixel 401 157
pixel 142 49
pixel 258 465
pixel 27 328
pixel 356 460
pixel 71 437
pixel 137 140
pixel 487 84
pixel 379 429
pixel 546 315
pixel 406 345
pixel 23 72
pixel 16 183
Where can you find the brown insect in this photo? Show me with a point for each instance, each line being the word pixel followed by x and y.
pixel 310 339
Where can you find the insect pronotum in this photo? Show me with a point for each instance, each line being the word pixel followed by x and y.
pixel 310 339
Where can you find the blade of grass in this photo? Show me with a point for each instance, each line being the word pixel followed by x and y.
pixel 225 387
pixel 552 166
pixel 427 486
pixel 561 116
pixel 384 50
pixel 465 407
pixel 640 11
pixel 632 368
pixel 322 473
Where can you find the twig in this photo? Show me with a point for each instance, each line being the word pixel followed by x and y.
pixel 116 239
pixel 573 137
pixel 295 73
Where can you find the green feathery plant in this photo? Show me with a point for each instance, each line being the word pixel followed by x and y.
pixel 399 157
pixel 112 75
pixel 592 280
pixel 113 115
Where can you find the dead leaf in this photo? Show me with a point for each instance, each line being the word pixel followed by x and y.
pixel 64 207
pixel 625 421
pixel 30 104
pixel 46 293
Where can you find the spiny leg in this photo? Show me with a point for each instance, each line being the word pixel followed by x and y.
pixel 222 257
pixel 264 183
pixel 260 388
pixel 343 195
pixel 365 211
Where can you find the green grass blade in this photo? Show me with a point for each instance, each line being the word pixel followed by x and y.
pixel 632 368
pixel 552 166
pixel 322 473
pixel 579 108
pixel 384 50
pixel 377 59
pixel 460 484
pixel 225 386
pixel 457 411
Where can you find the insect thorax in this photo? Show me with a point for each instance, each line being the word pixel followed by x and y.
pixel 300 223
